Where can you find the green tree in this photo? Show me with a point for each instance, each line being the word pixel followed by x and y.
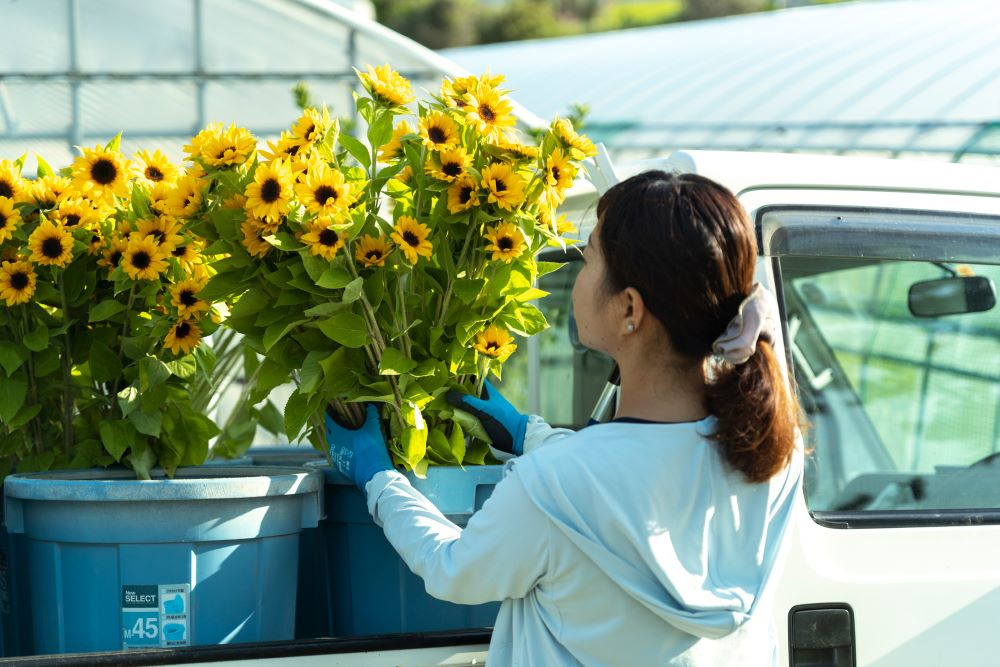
pixel 695 10
pixel 436 24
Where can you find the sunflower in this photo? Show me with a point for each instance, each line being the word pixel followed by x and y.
pixel 96 243
pixel 311 126
pixel 159 194
pixel 229 148
pixel 50 190
pixel 270 194
pixel 186 254
pixel 495 342
pixel 182 337
pixel 103 172
pixel 519 150
pixel 462 194
pixel 324 190
pixel 372 251
pixel 438 131
pixel 559 175
pixel 288 147
pixel 184 297
pixel 411 237
pixel 576 142
pixel 394 148
pixel 50 245
pixel 405 175
pixel 185 198
pixel 155 167
pixel 489 112
pixel 113 253
pixel 17 282
pixel 254 231
pixel 454 92
pixel 505 187
pixel 10 218
pixel 75 213
pixel 506 242
pixel 12 186
pixel 199 142
pixel 447 165
pixel 164 230
pixel 143 259
pixel 322 240
pixel 387 85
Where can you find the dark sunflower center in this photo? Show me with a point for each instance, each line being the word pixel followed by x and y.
pixel 72 220
pixel 104 171
pixel 159 235
pixel 555 173
pixel 411 238
pixel 325 193
pixel 95 239
pixel 373 255
pixel 506 243
pixel 500 186
pixel 6 190
pixel 52 247
pixel 188 298
pixel 3 221
pixel 486 113
pixel 492 345
pixel 115 258
pixel 292 150
pixel 437 135
pixel 328 237
pixel 154 174
pixel 182 331
pixel 312 128
pixel 179 251
pixel 141 260
pixel 270 190
pixel 451 168
pixel 19 280
pixel 465 194
pixel 222 153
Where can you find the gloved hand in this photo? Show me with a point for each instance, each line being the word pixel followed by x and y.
pixel 501 421
pixel 358 453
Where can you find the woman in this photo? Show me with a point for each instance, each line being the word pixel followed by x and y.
pixel 651 539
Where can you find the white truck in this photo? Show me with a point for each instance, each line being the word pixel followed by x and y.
pixel 886 272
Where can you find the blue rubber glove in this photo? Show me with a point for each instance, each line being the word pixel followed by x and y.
pixel 358 453
pixel 501 420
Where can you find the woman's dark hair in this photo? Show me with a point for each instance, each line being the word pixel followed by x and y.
pixel 687 246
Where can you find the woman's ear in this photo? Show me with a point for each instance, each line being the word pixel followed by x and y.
pixel 633 309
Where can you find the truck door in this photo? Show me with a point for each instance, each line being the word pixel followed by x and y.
pixel 893 331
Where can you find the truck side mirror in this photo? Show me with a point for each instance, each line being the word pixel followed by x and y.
pixel 952 296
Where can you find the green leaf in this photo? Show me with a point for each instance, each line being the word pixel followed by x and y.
pixel 380 132
pixel 152 372
pixel 252 302
pixel 104 364
pixel 357 149
pixel 148 423
pixel 352 291
pixel 12 356
pixel 43 167
pixel 296 414
pixel 37 340
pixel 470 425
pixel 271 418
pixel 334 277
pixel 277 331
pixel 153 398
pixel 115 144
pixel 414 442
pixel 142 459
pixel 325 309
pixel 24 415
pixel 128 400
pixel 476 455
pixel 545 268
pixel 345 328
pixel 186 367
pixel 439 448
pixel 15 390
pixel 223 285
pixel 457 442
pixel 117 436
pixel 394 362
pixel 467 289
pixel 106 310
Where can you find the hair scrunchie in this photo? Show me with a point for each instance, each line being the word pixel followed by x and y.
pixel 756 318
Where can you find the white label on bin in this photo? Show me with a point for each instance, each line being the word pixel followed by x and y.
pixel 155 615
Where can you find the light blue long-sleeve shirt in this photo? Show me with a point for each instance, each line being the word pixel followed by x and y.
pixel 624 543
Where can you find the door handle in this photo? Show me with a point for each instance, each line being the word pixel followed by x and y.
pixel 821 635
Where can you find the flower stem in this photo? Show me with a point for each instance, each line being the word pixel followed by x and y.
pixel 443 305
pixel 67 365
pixel 121 348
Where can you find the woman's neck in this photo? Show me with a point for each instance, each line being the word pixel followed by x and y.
pixel 662 393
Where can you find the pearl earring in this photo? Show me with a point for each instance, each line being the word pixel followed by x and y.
pixel 630 327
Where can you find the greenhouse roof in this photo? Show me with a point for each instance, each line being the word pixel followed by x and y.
pixel 907 77
pixel 77 72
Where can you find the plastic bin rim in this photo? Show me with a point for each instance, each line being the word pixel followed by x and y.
pixel 195 483
pixel 333 476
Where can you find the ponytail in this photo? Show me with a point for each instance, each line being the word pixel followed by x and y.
pixel 757 414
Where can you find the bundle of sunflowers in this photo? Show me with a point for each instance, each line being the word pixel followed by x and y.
pixel 388 270
pixel 100 329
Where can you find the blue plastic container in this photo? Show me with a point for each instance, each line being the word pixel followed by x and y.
pixel 15 605
pixel 209 557
pixel 368 588
pixel 283 455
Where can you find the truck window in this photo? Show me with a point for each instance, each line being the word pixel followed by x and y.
pixel 903 401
